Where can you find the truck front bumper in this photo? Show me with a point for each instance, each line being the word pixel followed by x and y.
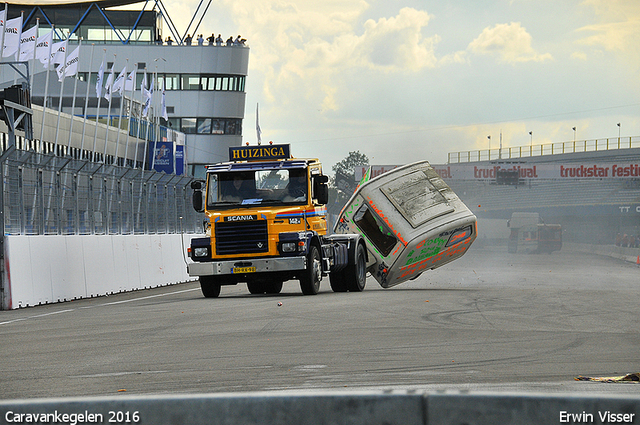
pixel 261 265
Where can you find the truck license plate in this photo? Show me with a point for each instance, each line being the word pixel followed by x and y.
pixel 244 270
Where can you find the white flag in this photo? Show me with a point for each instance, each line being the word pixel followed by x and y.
pixel 42 48
pixel 12 31
pixel 130 83
pixel 149 98
pixel 99 80
pixel 149 93
pixel 119 83
pixel 2 17
pixel 143 84
pixel 143 90
pixel 28 43
pixel 108 87
pixel 258 130
pixel 58 51
pixel 71 66
pixel 164 105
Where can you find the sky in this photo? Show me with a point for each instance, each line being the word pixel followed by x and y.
pixel 401 81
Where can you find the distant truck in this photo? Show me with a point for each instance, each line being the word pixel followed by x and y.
pixel 529 234
pixel 266 224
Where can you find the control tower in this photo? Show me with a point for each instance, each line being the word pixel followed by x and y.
pixel 204 84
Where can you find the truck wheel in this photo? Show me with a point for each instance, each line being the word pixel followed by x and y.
pixel 356 274
pixel 210 288
pixel 337 281
pixel 255 288
pixel 273 287
pixel 310 278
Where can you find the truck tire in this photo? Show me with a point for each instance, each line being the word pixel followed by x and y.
pixel 210 287
pixel 356 274
pixel 310 278
pixel 255 288
pixel 338 282
pixel 273 287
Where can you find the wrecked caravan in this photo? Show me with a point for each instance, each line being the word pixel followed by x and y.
pixel 411 222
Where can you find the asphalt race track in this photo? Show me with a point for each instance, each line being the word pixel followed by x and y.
pixel 489 321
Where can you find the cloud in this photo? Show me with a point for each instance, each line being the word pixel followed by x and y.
pixel 618 29
pixel 396 43
pixel 308 52
pixel 511 42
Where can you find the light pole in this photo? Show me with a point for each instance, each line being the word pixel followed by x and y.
pixel 618 135
pixel 489 137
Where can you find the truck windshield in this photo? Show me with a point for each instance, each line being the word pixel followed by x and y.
pixel 246 188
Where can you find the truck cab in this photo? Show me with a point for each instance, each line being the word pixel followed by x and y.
pixel 266 223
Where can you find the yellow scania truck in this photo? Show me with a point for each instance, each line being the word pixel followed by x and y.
pixel 267 223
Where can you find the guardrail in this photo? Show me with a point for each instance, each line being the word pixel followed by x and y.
pixel 543 149
pixel 383 408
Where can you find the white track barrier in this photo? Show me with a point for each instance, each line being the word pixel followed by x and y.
pixel 48 269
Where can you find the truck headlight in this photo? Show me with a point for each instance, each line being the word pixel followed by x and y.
pixel 201 252
pixel 288 247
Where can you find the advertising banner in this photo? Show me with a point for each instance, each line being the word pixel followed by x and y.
pixel 179 160
pixel 161 157
pixel 548 170
pixel 555 170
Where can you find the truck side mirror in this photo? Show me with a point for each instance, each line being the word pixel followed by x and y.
pixel 322 194
pixel 197 184
pixel 197 200
pixel 320 189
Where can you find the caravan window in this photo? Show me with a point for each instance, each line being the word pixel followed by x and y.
pixel 376 230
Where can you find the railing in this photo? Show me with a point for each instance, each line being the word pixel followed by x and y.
pixel 47 194
pixel 544 149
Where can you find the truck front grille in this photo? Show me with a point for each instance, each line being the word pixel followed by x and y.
pixel 241 237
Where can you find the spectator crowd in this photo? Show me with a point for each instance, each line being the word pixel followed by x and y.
pixel 212 40
pixel 627 241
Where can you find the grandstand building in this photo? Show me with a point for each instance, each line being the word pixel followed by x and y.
pixel 204 84
pixel 592 189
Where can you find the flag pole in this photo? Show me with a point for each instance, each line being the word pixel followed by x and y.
pixel 86 100
pixel 17 55
pixel 64 64
pixel 46 86
pixel 133 88
pixel 156 126
pixel 33 67
pixel 99 95
pixel 4 28
pixel 122 93
pixel 106 138
pixel 73 102
pixel 142 95
pixel 146 139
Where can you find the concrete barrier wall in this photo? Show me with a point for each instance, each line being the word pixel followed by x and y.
pixel 325 408
pixel 47 269
pixel 631 255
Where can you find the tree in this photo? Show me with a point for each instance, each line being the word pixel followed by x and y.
pixel 343 183
pixel 347 166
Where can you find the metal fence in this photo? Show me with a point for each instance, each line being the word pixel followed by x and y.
pixel 544 149
pixel 46 194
